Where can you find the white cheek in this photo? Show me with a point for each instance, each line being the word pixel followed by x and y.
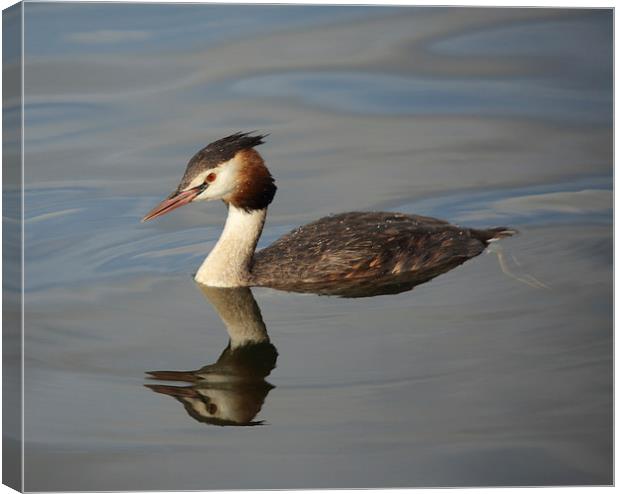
pixel 198 405
pixel 223 184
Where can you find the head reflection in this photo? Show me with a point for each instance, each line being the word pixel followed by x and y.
pixel 232 390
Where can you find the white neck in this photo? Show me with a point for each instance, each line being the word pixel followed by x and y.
pixel 228 264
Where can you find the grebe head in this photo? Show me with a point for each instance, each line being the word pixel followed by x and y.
pixel 229 169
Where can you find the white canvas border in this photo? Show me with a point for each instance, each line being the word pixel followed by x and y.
pixel 476 3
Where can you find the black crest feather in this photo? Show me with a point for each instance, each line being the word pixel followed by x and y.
pixel 218 152
pixel 225 149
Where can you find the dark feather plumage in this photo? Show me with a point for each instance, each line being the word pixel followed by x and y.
pixel 362 254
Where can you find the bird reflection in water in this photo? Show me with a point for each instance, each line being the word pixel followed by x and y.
pixel 232 390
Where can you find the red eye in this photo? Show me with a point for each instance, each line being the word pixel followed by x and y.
pixel 211 177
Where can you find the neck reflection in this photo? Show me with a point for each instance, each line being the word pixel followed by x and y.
pixel 232 390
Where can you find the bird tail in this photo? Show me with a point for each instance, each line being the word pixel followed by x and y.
pixel 495 234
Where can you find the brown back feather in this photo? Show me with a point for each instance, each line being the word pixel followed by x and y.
pixel 360 254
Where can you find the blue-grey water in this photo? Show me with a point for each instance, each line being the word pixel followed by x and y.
pixel 483 117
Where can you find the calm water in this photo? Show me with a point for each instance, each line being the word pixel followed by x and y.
pixel 481 116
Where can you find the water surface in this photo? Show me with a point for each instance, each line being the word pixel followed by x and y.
pixel 484 117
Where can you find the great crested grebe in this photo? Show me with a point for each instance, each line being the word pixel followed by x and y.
pixel 349 254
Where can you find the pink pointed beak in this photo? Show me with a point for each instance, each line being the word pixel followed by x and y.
pixel 176 391
pixel 176 200
pixel 185 376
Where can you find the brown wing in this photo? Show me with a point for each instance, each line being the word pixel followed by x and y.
pixel 353 253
